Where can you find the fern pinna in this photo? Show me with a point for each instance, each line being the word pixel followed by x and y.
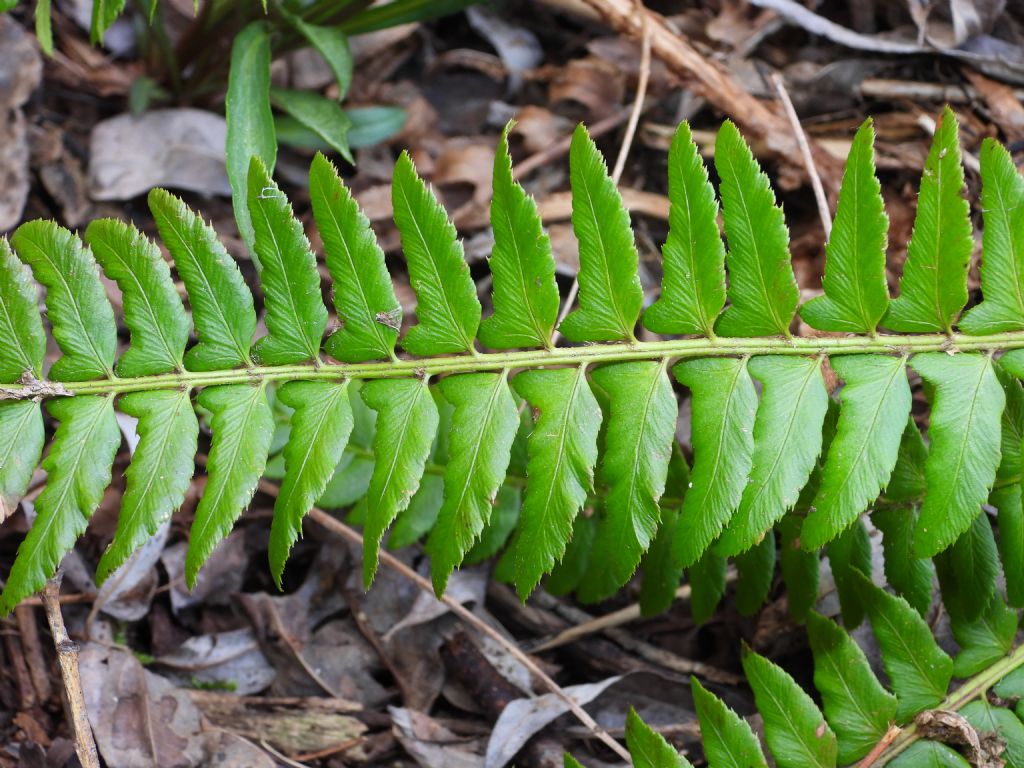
pixel 428 438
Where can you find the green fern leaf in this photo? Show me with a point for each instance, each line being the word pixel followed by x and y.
pixel 728 740
pixel 78 471
pixel 483 427
pixel 563 452
pixel 858 708
pixel 416 520
pixel 496 533
pixel 296 316
pixel 525 294
pixel 756 571
pixel 763 294
pixel 321 426
pixel 800 569
pixel 638 448
pixel 876 405
pixel 724 403
pixel 242 426
pixel 1002 722
pixel 707 585
pixel 160 473
pixel 448 311
pixel 907 482
pixel 919 671
pixel 250 119
pixel 610 295
pixel 1012 438
pixel 929 754
pixel 986 640
pixel 21 444
pixel 104 14
pixel 1002 269
pixel 794 727
pixel 81 317
pixel 933 289
pixel 648 748
pixel 568 573
pixel 363 294
pixel 968 570
pixel 693 288
pixel 152 310
pixel 787 440
pixel 911 577
pixel 661 572
pixel 222 307
pixel 849 555
pixel 965 435
pixel 22 338
pixel 1007 502
pixel 856 293
pixel 407 420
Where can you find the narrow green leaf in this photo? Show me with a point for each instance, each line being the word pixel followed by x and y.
pixel 919 671
pixel 875 406
pixel 364 295
pixel 787 440
pixel 332 45
pixel 525 294
pixel 44 26
pixel 800 569
pixel 707 585
pixel 693 286
pixel 756 572
pixel 76 304
pixel 250 120
pixel 985 640
pixel 661 572
pixel 499 528
pixel 160 472
pixel 1012 438
pixel 723 403
pixel 104 14
pixel 22 338
pixel 638 447
pixel 78 471
pixel 448 311
pixel 568 573
pixel 222 306
pixel 1002 722
pixel 242 426
pixel 933 288
pixel 911 577
pixel 483 428
pixel 296 316
pixel 570 762
pixel 321 426
pixel 929 754
pixel 416 520
pixel 397 12
pixel 858 708
pixel 856 293
pixel 907 482
pixel 407 421
pixel 21 445
pixel 763 294
pixel 728 740
pixel 316 113
pixel 1002 267
pixel 964 432
pixel 648 748
pixel 794 727
pixel 374 125
pixel 610 295
pixel 563 452
pixel 849 556
pixel 968 570
pixel 153 311
pixel 1007 501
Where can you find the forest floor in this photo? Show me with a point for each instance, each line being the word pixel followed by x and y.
pixel 236 673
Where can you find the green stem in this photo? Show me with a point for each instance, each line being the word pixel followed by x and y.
pixel 495 361
pixel 971 689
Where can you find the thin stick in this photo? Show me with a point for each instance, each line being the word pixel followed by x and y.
pixel 67 657
pixel 805 150
pixel 390 561
pixel 627 142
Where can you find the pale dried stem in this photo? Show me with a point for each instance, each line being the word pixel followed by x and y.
pixel 67 658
